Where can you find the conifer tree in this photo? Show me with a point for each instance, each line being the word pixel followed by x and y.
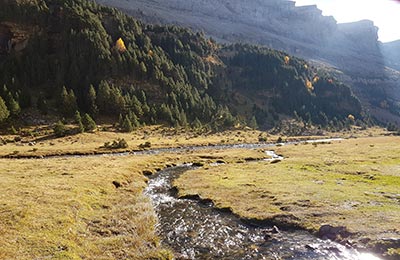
pixel 91 99
pixel 88 123
pixel 120 120
pixel 78 121
pixel 14 107
pixel 253 123
pixel 68 102
pixel 41 104
pixel 59 129
pixel 127 125
pixel 196 124
pixel 4 113
pixel 134 120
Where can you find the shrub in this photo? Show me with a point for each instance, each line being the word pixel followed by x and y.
pixel 145 145
pixel 116 144
pixel 59 129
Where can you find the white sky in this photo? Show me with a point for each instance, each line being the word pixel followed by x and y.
pixel 384 13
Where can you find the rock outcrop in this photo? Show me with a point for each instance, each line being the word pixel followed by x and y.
pixel 351 49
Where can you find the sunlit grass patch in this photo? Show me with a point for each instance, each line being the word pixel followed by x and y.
pixel 352 183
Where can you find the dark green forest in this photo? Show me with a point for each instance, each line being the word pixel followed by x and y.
pixel 63 56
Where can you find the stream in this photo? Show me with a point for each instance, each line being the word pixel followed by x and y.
pixel 197 230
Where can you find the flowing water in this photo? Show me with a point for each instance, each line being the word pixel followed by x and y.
pixel 196 230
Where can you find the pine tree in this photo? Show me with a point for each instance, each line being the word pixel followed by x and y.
pixel 4 113
pixel 14 107
pixel 127 125
pixel 120 120
pixel 253 123
pixel 196 124
pixel 41 104
pixel 143 70
pixel 103 96
pixel 91 101
pixel 88 123
pixel 59 129
pixel 134 120
pixel 68 102
pixel 78 121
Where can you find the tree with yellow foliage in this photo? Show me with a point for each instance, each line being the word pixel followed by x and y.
pixel 120 45
pixel 309 85
pixel 287 60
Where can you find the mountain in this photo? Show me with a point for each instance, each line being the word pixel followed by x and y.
pixel 351 50
pixel 391 53
pixel 61 56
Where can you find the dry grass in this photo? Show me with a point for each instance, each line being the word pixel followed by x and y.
pixel 70 209
pixel 89 143
pixel 353 183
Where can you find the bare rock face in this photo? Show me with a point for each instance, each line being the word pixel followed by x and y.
pixel 279 24
pixel 13 37
pixel 391 53
pixel 351 49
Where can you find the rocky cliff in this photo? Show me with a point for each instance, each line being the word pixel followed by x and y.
pixel 391 53
pixel 351 49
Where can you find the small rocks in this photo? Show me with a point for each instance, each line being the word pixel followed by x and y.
pixel 147 173
pixel 198 164
pixel 117 184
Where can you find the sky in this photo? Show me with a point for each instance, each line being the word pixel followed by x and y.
pixel 384 13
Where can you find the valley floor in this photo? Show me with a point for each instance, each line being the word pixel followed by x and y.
pixel 93 207
pixel 351 183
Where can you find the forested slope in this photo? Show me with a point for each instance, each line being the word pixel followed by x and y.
pixel 62 56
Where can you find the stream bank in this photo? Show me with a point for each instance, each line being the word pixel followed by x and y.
pixel 196 230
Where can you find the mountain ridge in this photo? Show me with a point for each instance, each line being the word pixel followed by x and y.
pixel 352 49
pixel 95 58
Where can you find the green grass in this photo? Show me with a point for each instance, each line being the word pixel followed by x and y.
pixel 353 183
pixel 69 208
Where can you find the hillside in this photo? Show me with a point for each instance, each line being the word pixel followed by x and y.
pixel 62 56
pixel 352 49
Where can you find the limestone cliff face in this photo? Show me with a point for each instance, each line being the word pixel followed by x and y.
pixel 391 53
pixel 279 24
pixel 351 48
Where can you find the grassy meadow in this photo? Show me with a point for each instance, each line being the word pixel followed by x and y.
pixel 93 207
pixel 86 207
pixel 352 183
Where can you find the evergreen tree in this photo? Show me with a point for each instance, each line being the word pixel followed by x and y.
pixel 103 96
pixel 14 107
pixel 127 125
pixel 42 105
pixel 143 70
pixel 68 102
pixel 91 101
pixel 253 123
pixel 78 121
pixel 4 113
pixel 134 120
pixel 196 124
pixel 59 129
pixel 88 123
pixel 120 120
